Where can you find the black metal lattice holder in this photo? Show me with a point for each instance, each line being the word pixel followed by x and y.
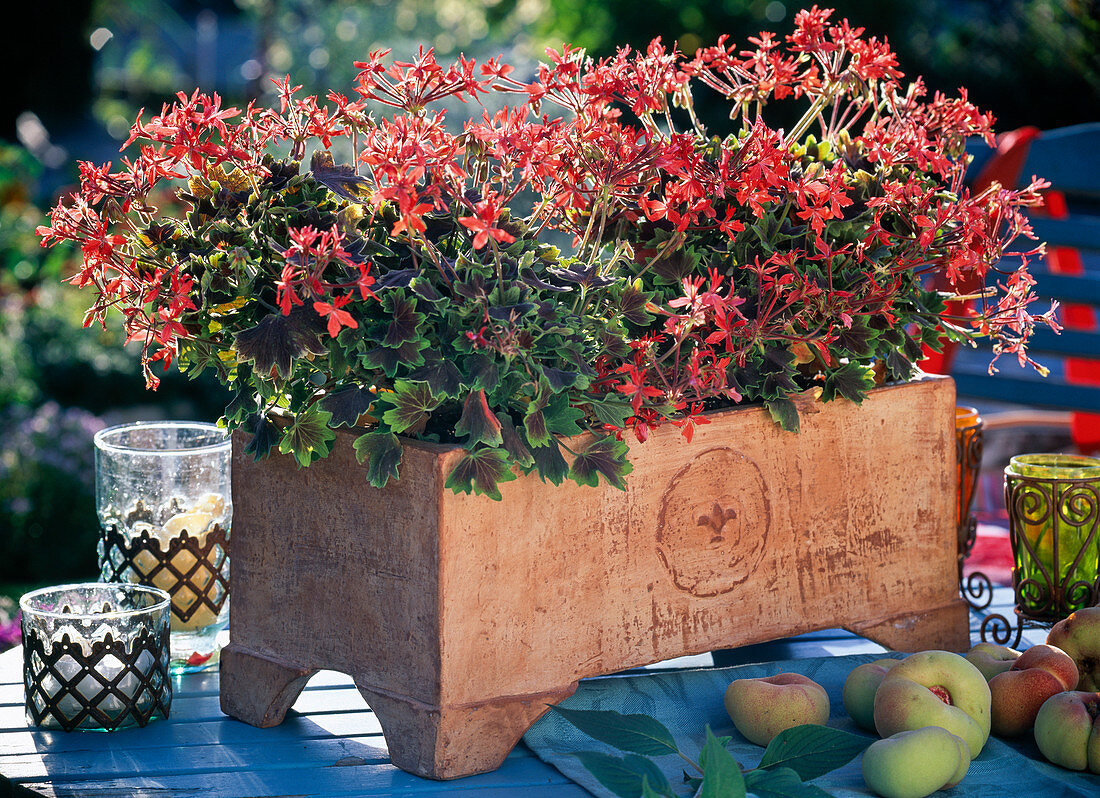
pixel 83 695
pixel 142 559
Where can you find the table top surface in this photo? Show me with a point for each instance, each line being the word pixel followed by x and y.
pixel 329 745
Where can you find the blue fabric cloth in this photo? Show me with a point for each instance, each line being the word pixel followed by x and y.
pixel 685 701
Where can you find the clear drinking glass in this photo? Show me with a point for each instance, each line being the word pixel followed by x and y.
pixel 163 498
pixel 95 656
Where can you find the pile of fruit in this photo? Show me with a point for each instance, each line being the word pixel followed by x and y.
pixel 935 710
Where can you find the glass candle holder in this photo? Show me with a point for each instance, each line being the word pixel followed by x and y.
pixel 1053 503
pixel 95 656
pixel 163 499
pixel 968 458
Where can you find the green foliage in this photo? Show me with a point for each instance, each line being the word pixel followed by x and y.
pixel 794 757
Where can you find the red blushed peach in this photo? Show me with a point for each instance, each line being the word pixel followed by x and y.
pixel 1079 636
pixel 1017 694
pixel 1067 730
pixel 761 708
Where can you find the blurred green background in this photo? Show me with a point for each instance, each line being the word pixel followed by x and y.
pixel 81 69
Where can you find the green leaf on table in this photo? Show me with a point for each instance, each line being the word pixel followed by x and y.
pixel 478 422
pixel 604 456
pixel 308 437
pixel 412 404
pixel 624 776
pixel 784 412
pixel 381 451
pixel 812 750
pixel 347 404
pixel 636 734
pixel 781 783
pixel 850 381
pixel 479 471
pixel 722 776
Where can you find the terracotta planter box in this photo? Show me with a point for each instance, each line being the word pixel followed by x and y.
pixel 460 618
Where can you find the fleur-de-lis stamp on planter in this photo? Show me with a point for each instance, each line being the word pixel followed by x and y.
pixel 713 522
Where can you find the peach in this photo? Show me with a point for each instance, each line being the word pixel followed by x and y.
pixel 935 688
pixel 916 763
pixel 1067 730
pixel 859 690
pixel 761 708
pixel 1016 695
pixel 991 658
pixel 1079 636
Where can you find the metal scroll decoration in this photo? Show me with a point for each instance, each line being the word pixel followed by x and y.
pixel 106 687
pixel 1054 527
pixel 194 570
pixel 976 588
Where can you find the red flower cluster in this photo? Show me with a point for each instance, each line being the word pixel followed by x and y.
pixel 811 230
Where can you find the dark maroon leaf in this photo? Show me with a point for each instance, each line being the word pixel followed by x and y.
pixel 483 372
pixel 631 305
pixel 398 278
pixel 479 471
pixel 405 321
pixel 549 462
pixel 339 179
pixel 277 340
pixel 347 404
pixel 513 442
pixel 440 373
pixel 407 354
pixel 265 435
pixel 558 379
pixel 606 457
pixel 478 422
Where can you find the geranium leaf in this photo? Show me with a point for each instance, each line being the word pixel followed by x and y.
pixel 605 456
pixel 479 471
pixel 561 419
pixel 308 437
pixel 811 750
pixel 631 305
pixel 624 775
pixel 559 380
pixel 405 322
pixel 551 465
pixel 535 425
pixel 242 405
pixel 381 451
pixel 635 734
pixel 478 422
pixel 440 373
pixel 859 340
pixel 340 180
pixel 611 411
pixel 277 340
pixel 483 372
pixel 781 783
pixel 264 435
pixel 408 354
pixel 850 381
pixel 513 442
pixel 784 412
pixel 347 404
pixel 412 406
pixel 721 774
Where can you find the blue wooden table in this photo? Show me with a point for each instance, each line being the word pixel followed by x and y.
pixel 330 745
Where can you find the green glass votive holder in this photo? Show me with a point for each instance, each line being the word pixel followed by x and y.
pixel 1053 503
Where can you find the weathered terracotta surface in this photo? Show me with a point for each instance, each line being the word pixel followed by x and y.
pixel 460 617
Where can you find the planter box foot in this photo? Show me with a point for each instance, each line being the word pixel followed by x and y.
pixel 256 689
pixel 946 628
pixel 455 741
